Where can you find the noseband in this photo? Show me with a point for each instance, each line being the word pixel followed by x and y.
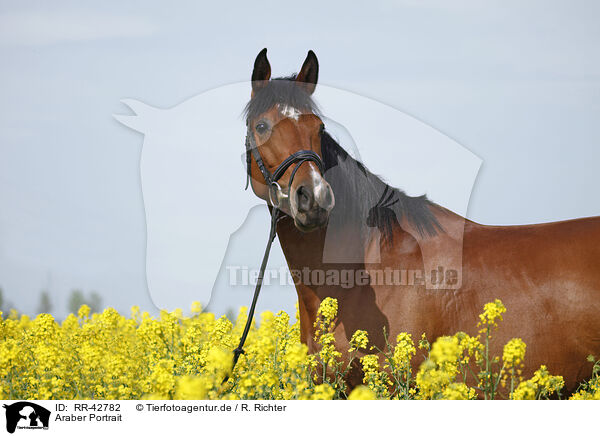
pixel 276 199
pixel 276 194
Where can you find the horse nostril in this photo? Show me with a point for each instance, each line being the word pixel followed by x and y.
pixel 304 199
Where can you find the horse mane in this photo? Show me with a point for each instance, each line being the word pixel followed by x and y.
pixel 359 194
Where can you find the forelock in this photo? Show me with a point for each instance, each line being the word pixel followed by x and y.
pixel 285 92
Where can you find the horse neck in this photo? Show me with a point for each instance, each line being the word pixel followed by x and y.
pixel 351 237
pixel 303 251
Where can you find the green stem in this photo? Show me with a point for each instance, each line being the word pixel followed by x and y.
pixel 487 362
pixel 512 381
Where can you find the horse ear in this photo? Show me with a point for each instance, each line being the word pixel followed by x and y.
pixel 261 72
pixel 309 73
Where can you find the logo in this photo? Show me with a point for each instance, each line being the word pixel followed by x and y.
pixel 26 415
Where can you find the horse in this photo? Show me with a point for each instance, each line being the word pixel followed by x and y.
pixel 547 275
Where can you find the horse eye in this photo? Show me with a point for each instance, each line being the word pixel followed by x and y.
pixel 261 128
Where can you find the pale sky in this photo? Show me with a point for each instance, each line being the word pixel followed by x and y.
pixel 516 83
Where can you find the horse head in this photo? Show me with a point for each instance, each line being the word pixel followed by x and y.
pixel 284 128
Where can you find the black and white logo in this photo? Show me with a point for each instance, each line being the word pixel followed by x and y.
pixel 26 415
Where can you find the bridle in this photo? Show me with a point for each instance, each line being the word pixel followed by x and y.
pixel 276 194
pixel 276 199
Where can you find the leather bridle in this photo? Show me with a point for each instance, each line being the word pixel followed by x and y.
pixel 276 199
pixel 276 194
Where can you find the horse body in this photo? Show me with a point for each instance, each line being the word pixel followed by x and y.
pixel 341 218
pixel 546 275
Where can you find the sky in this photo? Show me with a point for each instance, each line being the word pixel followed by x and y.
pixel 516 83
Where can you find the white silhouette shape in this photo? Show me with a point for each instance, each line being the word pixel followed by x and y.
pixel 202 224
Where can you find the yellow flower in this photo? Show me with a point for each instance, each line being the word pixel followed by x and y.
pixel 541 385
pixel 296 355
pixel 526 390
pixel 362 392
pixel 328 309
pixel 171 356
pixel 514 353
pixel 360 339
pixel 404 351
pixel 424 343
pixel 459 391
pixel 492 312
pixel 84 311
pixel 196 308
pixel 323 392
pixel 437 372
pixel 375 379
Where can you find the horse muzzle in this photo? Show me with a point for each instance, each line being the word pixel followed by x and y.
pixel 311 204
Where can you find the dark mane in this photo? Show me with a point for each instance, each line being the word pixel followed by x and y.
pixel 281 90
pixel 360 193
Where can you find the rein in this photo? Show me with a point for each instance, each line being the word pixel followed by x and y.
pixel 276 198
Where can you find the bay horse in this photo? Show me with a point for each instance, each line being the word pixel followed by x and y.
pixel 547 275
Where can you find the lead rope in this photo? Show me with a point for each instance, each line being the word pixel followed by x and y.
pixel 297 158
pixel 240 348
